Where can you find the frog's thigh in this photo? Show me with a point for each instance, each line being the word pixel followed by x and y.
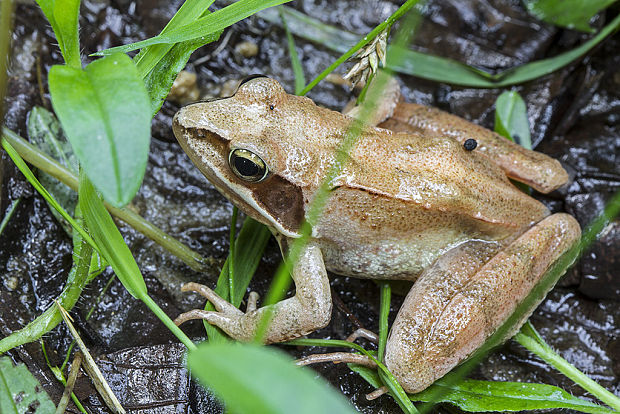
pixel 307 311
pixel 461 300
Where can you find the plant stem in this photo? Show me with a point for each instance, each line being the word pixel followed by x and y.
pixel 231 255
pixel 363 42
pixel 386 297
pixel 154 307
pixel 50 166
pixel 544 352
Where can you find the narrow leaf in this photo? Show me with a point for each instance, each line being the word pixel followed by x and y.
pixel 105 112
pixel 202 27
pixel 432 67
pixel 20 392
pixel 275 386
pixel 117 254
pixel 160 79
pixel 298 70
pixel 109 240
pixel 511 118
pixel 573 14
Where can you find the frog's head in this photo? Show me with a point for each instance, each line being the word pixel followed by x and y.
pixel 237 144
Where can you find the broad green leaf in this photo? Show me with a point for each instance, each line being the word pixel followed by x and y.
pixel 432 67
pixel 105 112
pixel 202 27
pixel 46 134
pixel 511 118
pixel 249 248
pixel 20 392
pixel 573 14
pixel 254 379
pixel 63 17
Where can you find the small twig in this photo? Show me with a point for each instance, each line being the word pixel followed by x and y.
pixel 342 307
pixel 73 374
pixel 337 358
pixel 92 369
pixel 377 393
pixel 9 214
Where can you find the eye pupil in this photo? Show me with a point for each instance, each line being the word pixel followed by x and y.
pixel 247 165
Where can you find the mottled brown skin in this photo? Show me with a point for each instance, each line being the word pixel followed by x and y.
pixel 412 205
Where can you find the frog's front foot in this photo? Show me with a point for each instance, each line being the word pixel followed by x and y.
pixel 225 316
pixel 307 311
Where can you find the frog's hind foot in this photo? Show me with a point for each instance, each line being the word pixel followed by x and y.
pixel 337 358
pixel 365 334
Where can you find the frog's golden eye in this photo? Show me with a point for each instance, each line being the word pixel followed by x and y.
pixel 247 165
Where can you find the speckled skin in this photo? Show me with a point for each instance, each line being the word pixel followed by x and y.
pixel 409 205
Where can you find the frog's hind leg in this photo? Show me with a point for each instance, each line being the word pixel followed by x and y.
pixel 535 169
pixel 467 294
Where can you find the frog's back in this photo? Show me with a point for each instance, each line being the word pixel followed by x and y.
pixel 404 199
pixel 437 174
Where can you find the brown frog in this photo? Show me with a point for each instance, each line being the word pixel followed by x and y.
pixel 414 202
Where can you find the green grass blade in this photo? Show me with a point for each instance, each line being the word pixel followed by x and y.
pixel 21 165
pixel 275 385
pixel 432 67
pixel 117 254
pixel 149 57
pixel 572 14
pixel 529 338
pixel 298 70
pixel 104 110
pixel 109 240
pixel 159 64
pixel 249 247
pixel 76 282
pixel 202 27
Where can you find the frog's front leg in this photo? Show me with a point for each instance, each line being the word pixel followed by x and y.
pixel 467 294
pixel 307 311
